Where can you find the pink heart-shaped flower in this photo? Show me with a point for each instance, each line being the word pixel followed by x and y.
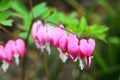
pixel 73 47
pixel 87 46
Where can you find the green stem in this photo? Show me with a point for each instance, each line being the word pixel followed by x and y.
pixel 46 65
pixel 41 68
pixel 26 41
pixel 56 70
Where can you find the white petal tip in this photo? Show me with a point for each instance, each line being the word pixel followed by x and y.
pixel 48 48
pixel 5 66
pixel 81 65
pixel 42 48
pixel 63 57
pixel 17 61
pixel 75 60
pixel 37 45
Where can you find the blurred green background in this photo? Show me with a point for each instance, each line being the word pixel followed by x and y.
pixel 106 62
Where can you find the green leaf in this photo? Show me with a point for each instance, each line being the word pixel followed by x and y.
pixel 97 31
pixel 4 15
pixel 17 15
pixel 114 40
pixel 19 7
pixel 61 17
pixel 101 37
pixel 53 17
pixel 23 35
pixel 5 4
pixel 7 22
pixel 27 21
pixel 83 22
pixel 82 26
pixel 39 10
pixel 72 28
pixel 72 15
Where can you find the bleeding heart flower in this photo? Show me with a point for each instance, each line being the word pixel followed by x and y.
pixel 73 47
pixel 58 33
pixel 87 47
pixel 17 47
pixel 69 47
pixel 10 50
pixel 7 57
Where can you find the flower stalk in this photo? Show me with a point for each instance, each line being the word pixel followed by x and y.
pixel 26 41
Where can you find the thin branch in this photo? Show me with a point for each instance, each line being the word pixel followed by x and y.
pixel 79 37
pixel 31 6
pixel 27 38
pixel 60 27
pixel 6 31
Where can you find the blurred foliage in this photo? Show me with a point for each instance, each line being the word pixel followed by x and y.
pixel 98 17
pixel 78 27
pixel 4 15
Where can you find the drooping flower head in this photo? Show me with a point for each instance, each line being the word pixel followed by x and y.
pixel 73 47
pixel 68 46
pixel 58 33
pixel 13 48
pixel 87 47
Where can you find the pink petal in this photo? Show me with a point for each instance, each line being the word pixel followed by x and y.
pixel 58 32
pixel 63 42
pixel 1 52
pixel 11 44
pixel 35 28
pixel 87 46
pixel 50 32
pixel 20 45
pixel 7 55
pixel 41 36
pixel 73 47
pixel 91 43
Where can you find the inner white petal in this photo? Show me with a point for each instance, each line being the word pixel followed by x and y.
pixel 17 61
pixel 42 48
pixel 75 60
pixel 37 45
pixel 48 48
pixel 90 58
pixel 62 56
pixel 81 64
pixel 5 66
